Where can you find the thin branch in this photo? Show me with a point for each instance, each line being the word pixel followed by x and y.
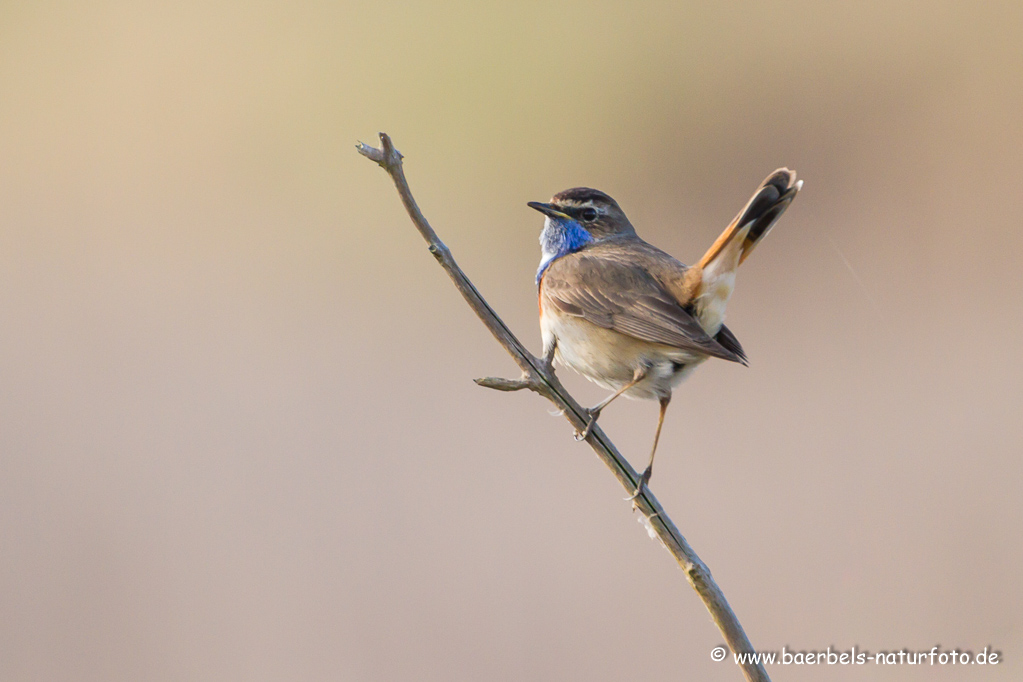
pixel 538 376
pixel 499 384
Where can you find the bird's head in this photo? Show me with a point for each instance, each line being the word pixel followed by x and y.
pixel 595 212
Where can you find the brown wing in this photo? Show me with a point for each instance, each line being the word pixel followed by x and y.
pixel 613 292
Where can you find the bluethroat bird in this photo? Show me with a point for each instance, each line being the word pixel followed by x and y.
pixel 628 316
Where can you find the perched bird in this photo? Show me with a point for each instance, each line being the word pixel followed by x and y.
pixel 628 316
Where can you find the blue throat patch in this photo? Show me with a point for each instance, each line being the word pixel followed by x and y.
pixel 559 238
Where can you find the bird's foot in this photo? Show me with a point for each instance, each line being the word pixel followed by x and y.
pixel 585 433
pixel 643 480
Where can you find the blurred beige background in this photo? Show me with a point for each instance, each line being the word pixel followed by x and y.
pixel 239 438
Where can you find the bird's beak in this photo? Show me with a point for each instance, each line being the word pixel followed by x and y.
pixel 548 210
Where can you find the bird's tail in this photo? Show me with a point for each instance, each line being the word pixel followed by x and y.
pixel 753 222
pixel 716 270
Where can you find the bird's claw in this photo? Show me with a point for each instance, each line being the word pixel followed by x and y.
pixel 585 433
pixel 643 480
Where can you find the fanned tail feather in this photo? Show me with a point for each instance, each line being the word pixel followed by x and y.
pixel 757 218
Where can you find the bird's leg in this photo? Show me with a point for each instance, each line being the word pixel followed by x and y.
pixel 548 355
pixel 594 411
pixel 645 477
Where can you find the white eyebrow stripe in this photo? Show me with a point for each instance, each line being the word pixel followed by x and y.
pixel 571 203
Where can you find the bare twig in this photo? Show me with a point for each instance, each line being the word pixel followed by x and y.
pixel 538 376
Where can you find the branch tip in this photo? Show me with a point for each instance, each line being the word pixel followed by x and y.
pixel 387 156
pixel 371 153
pixel 393 155
pixel 499 384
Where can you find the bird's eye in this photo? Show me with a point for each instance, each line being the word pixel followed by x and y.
pixel 588 214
